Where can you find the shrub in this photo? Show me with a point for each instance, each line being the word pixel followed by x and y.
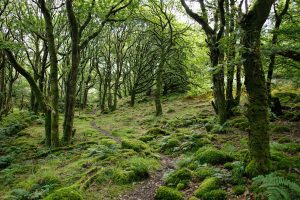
pixel 215 195
pixel 179 178
pixel 207 185
pixel 166 193
pixel 212 156
pixel 238 189
pixel 136 145
pixel 66 193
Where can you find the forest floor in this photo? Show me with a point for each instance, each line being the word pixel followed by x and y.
pixel 129 153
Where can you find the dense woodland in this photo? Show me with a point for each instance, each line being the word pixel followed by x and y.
pixel 153 99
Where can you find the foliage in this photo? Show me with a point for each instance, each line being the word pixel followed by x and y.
pixel 275 187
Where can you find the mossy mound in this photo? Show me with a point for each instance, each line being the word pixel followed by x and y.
pixel 179 178
pixel 239 189
pixel 209 184
pixel 136 145
pixel 215 195
pixel 170 145
pixel 166 193
pixel 156 132
pixel 204 172
pixel 212 156
pixel 66 193
pixel 240 122
pixel 280 129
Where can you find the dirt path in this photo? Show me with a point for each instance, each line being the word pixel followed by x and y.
pixel 144 190
pixel 105 132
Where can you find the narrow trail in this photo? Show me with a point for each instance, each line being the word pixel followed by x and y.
pixel 105 132
pixel 144 190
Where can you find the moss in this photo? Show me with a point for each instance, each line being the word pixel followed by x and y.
pixel 179 178
pixel 284 139
pixel 66 193
pixel 170 145
pixel 209 184
pixel 136 145
pixel 5 161
pixel 212 156
pixel 280 129
pixel 156 132
pixel 166 193
pixel 255 168
pixel 215 195
pixel 193 198
pixel 240 122
pixel 205 172
pixel 147 138
pixel 239 189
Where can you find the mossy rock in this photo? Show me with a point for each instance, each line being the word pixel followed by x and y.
pixel 170 145
pixel 204 172
pixel 239 189
pixel 212 156
pixel 147 138
pixel 240 123
pixel 209 184
pixel 166 193
pixel 215 195
pixel 193 198
pixel 156 132
pixel 179 178
pixel 136 145
pixel 66 193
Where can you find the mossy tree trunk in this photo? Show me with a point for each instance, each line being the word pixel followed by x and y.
pixel 54 91
pixel 214 36
pixel 72 76
pixel 34 87
pixel 257 112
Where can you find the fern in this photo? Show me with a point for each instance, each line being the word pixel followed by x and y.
pixel 275 187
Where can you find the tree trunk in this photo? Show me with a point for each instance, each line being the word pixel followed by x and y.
pixel 218 85
pixel 278 20
pixel 158 84
pixel 72 76
pixel 257 112
pixel 54 92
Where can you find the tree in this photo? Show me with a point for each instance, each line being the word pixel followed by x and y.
pixel 257 111
pixel 214 36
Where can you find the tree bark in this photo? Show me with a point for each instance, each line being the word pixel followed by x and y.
pixel 54 91
pixel 72 76
pixel 257 112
